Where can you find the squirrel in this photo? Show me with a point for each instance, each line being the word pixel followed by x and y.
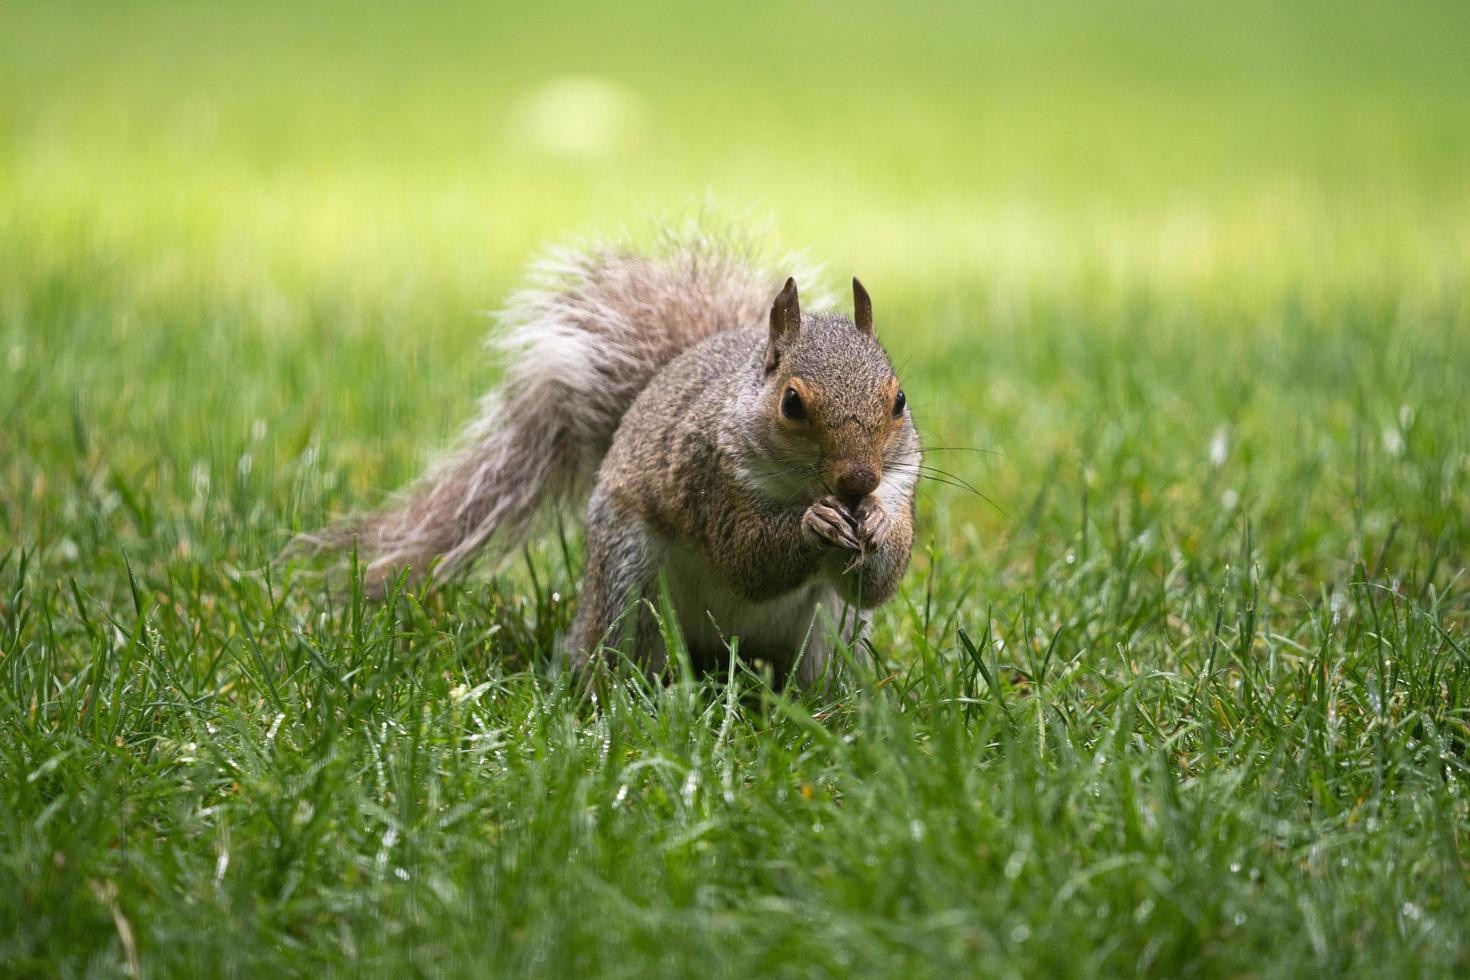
pixel 757 461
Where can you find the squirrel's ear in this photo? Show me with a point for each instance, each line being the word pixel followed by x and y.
pixel 785 321
pixel 785 311
pixel 862 307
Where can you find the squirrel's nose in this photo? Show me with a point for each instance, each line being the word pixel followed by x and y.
pixel 856 482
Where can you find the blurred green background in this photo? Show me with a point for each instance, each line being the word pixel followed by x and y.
pixel 1138 141
pixel 375 146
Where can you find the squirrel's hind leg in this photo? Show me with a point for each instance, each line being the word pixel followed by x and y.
pixel 622 572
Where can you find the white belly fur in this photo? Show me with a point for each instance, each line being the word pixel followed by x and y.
pixel 803 621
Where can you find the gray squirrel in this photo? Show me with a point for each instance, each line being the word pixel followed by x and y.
pixel 759 460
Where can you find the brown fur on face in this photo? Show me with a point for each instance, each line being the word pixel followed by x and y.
pixel 847 392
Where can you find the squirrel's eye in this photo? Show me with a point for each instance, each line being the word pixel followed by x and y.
pixel 899 401
pixel 791 405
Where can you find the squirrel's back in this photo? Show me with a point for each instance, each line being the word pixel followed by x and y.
pixel 580 342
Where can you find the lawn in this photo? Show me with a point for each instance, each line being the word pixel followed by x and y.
pixel 1178 683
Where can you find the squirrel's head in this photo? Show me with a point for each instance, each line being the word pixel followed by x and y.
pixel 834 404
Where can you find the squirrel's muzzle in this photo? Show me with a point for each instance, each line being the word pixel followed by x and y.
pixel 855 482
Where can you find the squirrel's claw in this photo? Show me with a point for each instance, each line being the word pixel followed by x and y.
pixel 827 522
pixel 873 524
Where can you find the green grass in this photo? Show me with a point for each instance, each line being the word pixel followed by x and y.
pixel 1193 280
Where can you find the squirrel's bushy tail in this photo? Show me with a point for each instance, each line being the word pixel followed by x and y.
pixel 580 342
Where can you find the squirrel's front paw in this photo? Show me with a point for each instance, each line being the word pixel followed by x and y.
pixel 873 524
pixel 830 524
